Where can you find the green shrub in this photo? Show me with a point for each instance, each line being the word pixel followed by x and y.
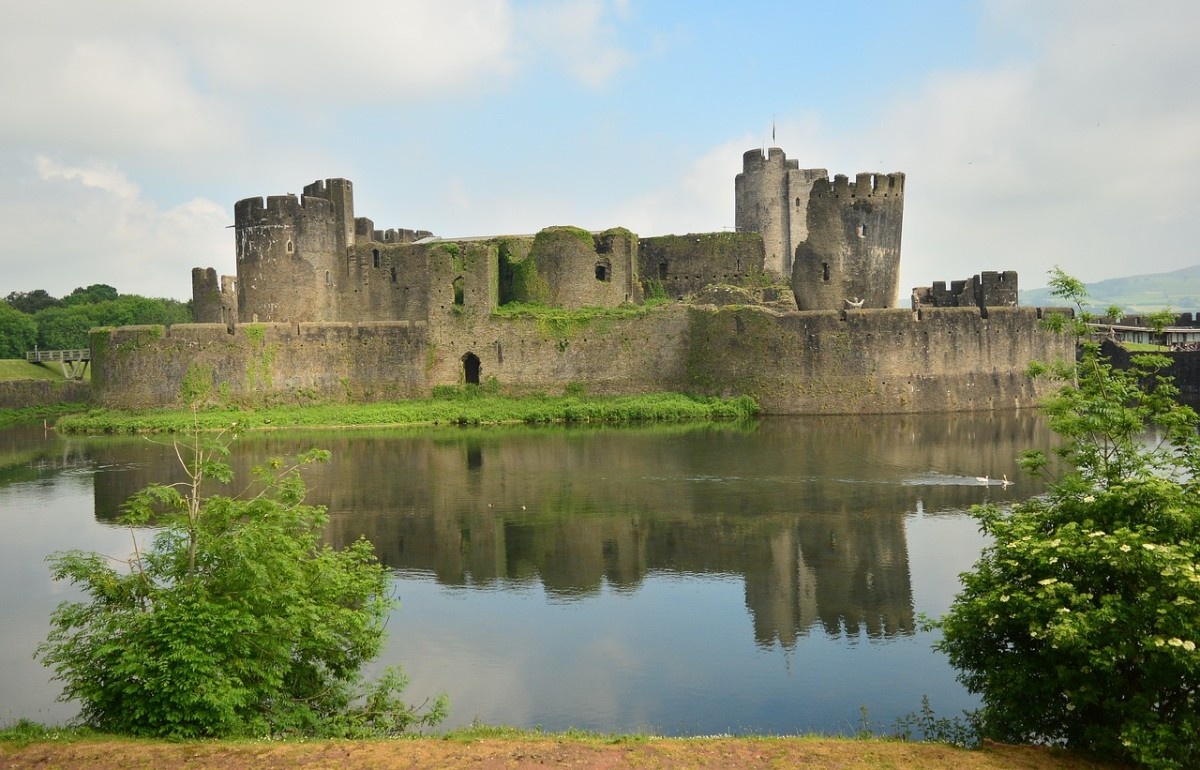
pixel 235 621
pixel 1080 623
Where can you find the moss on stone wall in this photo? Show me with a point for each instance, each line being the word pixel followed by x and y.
pixel 583 236
pixel 256 333
pixel 525 284
pixel 197 386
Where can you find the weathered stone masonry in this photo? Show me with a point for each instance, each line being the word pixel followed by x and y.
pixel 794 363
pixel 325 307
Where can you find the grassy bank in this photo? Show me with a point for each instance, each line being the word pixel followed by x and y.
pixel 32 415
pixel 458 407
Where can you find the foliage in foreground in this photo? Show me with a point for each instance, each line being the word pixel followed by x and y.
pixel 465 406
pixel 1080 623
pixel 236 621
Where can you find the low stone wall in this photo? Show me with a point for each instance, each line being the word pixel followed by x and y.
pixel 873 361
pixel 865 361
pixel 135 367
pixel 17 394
pixel 1184 368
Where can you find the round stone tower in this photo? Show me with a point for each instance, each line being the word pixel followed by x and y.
pixel 851 256
pixel 292 259
pixel 771 199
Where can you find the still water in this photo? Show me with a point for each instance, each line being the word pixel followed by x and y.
pixel 681 580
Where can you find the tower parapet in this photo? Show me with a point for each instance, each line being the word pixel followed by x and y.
pixel 771 199
pixel 291 252
pixel 851 256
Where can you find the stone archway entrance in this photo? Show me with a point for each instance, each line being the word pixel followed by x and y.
pixel 471 368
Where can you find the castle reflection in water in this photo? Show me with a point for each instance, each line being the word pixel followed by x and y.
pixel 810 513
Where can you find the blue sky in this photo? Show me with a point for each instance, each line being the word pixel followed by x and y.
pixel 1033 132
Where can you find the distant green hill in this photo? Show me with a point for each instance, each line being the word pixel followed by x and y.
pixel 1179 290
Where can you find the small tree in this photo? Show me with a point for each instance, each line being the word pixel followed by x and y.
pixel 1158 321
pixel 1080 623
pixel 236 621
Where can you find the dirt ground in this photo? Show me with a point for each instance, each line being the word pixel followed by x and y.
pixel 494 754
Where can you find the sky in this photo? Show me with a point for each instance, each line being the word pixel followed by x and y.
pixel 1033 133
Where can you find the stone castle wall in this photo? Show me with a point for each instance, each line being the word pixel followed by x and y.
pixel 877 361
pixel 873 361
pixel 685 264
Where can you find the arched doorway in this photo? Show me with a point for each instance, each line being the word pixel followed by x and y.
pixel 471 368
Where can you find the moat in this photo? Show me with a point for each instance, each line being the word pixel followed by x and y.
pixel 680 580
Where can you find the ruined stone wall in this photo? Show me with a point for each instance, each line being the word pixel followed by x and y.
pixel 387 282
pixel 877 361
pixel 852 253
pixel 604 355
pixel 987 289
pixel 136 367
pixel 214 299
pixel 685 264
pixel 873 361
pixel 206 296
pixel 18 394
pixel 582 270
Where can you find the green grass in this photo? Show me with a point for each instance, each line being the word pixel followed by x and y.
pixel 35 414
pixel 18 369
pixel 581 316
pixel 467 406
pixel 1143 347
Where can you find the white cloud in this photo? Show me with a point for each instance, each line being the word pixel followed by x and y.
pixel 75 225
pixel 102 176
pixel 578 34
pixel 344 51
pixel 102 95
pixel 1080 151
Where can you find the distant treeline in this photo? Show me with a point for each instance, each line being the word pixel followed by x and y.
pixel 30 319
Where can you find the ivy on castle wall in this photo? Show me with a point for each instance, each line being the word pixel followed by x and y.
pixel 524 283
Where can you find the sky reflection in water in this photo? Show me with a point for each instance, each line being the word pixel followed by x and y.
pixel 686 580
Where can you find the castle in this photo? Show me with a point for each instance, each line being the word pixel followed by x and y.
pixel 796 308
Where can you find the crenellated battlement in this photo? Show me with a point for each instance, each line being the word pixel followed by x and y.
pixel 280 210
pixel 865 185
pixel 329 189
pixel 756 160
pixel 989 289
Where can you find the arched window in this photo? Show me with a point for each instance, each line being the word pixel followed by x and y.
pixel 290 247
pixel 458 291
pixel 375 256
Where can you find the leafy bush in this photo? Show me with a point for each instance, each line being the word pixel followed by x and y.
pixel 1080 623
pixel 236 621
